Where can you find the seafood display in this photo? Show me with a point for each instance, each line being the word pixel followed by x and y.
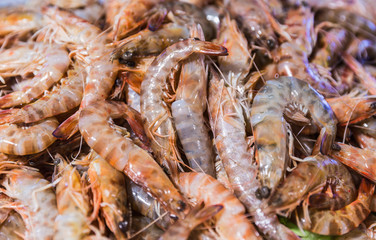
pixel 187 119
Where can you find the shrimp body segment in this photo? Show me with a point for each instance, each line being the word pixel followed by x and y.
pixel 270 127
pixel 125 156
pixel 203 188
pixel 155 113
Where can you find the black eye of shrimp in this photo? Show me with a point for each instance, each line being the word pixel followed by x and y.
pixel 123 226
pixel 271 44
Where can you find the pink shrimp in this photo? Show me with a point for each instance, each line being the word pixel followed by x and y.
pixel 201 187
pixel 125 156
pixel 154 111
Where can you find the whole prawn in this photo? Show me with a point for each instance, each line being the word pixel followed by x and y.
pixel 267 113
pixel 125 156
pixel 228 126
pixel 203 188
pixel 155 113
pixel 188 112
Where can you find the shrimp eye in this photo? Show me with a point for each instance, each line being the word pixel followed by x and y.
pixel 173 217
pixel 123 226
pixel 127 55
pixel 271 43
pixel 373 105
pixel 262 192
pixel 182 206
pixel 197 39
pixel 336 147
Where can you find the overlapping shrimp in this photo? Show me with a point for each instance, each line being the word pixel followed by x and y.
pixel 183 227
pixel 341 221
pixel 125 156
pixel 23 140
pixel 155 113
pixel 110 195
pixel 56 62
pixel 350 110
pixel 89 46
pixel 201 187
pixel 362 161
pixel 188 112
pixel 59 100
pixel 72 204
pixel 34 200
pixel 317 174
pixel 228 127
pixel 267 113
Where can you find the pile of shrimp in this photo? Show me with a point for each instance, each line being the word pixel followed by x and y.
pixel 211 119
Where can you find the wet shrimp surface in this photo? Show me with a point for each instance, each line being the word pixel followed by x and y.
pixel 189 119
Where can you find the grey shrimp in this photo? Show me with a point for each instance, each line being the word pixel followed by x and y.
pixel 155 113
pixel 270 128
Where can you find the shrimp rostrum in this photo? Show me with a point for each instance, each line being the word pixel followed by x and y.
pixel 270 127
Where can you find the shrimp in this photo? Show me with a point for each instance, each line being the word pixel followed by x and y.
pixel 228 126
pixel 109 193
pixel 188 112
pixel 365 231
pixel 56 63
pixel 125 156
pixel 182 228
pixel 13 228
pixel 253 22
pixel 133 99
pixel 71 4
pixel 267 113
pixel 146 205
pixel 362 161
pixel 201 187
pixel 148 43
pixel 18 22
pixel 72 204
pixel 34 200
pixel 155 113
pixel 341 221
pixel 368 126
pixel 142 228
pixel 364 140
pixel 59 100
pixel 314 174
pixel 25 140
pixel 350 110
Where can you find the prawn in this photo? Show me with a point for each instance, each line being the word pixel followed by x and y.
pixel 155 113
pixel 182 228
pixel 341 221
pixel 72 204
pixel 201 187
pixel 315 174
pixel 34 200
pixel 362 161
pixel 18 22
pixel 13 228
pixel 267 113
pixel 56 63
pixel 188 112
pixel 110 196
pixel 228 126
pixel 125 156
pixel 59 100
pixel 24 140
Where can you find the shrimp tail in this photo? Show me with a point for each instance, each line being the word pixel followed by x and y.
pixel 9 116
pixel 68 128
pixel 9 100
pixel 206 213
pixel 156 20
pixel 212 49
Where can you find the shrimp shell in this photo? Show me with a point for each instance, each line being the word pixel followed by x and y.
pixel 125 156
pixel 33 200
pixel 204 188
pixel 13 228
pixel 267 113
pixel 25 140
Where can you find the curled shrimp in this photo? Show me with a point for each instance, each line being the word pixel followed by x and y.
pixel 34 200
pixel 350 110
pixel 188 113
pixel 110 196
pixel 23 140
pixel 56 63
pixel 316 174
pixel 72 204
pixel 59 100
pixel 203 188
pixel 267 113
pixel 182 228
pixel 155 113
pixel 362 161
pixel 125 156
pixel 341 221
pixel 228 127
